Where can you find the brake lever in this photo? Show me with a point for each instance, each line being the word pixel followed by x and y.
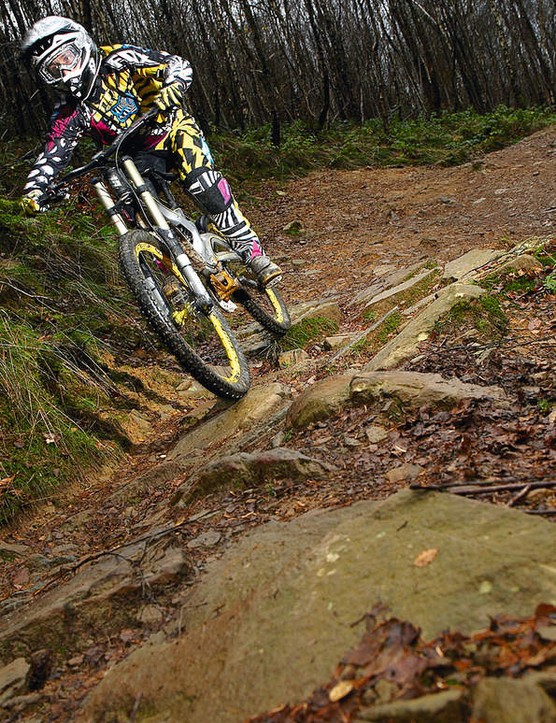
pixel 53 196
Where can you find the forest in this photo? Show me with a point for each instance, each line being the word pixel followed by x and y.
pixel 319 62
pixel 365 535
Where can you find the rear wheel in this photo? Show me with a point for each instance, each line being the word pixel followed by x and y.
pixel 201 341
pixel 264 304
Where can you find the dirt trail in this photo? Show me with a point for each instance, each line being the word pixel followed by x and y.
pixel 352 222
pixel 356 220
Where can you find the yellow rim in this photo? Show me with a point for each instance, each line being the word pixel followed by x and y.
pixel 149 248
pixel 179 317
pixel 231 353
pixel 275 304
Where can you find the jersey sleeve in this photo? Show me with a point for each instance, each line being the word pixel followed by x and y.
pixel 66 128
pixel 152 65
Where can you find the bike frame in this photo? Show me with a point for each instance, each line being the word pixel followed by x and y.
pixel 129 186
pixel 159 217
pixel 162 221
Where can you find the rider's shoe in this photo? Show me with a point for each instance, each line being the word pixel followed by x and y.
pixel 266 271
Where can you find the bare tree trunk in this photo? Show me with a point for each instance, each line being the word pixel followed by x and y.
pixel 271 61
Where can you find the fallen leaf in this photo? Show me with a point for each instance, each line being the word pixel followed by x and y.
pixel 340 690
pixel 425 558
pixel 21 577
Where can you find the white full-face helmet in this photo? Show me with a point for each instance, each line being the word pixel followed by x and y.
pixel 63 55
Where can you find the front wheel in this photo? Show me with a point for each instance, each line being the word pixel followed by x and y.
pixel 201 340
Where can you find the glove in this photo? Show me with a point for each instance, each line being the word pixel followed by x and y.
pixel 170 96
pixel 30 203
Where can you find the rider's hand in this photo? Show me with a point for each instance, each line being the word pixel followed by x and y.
pixel 170 96
pixel 30 203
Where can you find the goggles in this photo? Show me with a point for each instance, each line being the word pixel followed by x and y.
pixel 64 63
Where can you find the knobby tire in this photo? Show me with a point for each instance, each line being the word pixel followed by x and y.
pixel 231 379
pixel 265 305
pixel 278 322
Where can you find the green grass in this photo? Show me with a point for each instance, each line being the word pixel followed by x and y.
pixel 550 282
pixel 519 284
pixel 62 305
pixel 484 315
pixel 41 443
pixel 448 139
pixel 376 339
pixel 307 331
pixel 548 259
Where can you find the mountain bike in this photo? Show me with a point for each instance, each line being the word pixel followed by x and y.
pixel 184 277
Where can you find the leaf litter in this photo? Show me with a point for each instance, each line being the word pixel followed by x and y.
pixel 393 650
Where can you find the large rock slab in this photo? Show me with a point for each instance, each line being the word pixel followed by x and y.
pixel 403 287
pixel 512 701
pixel 525 263
pixel 272 617
pixel 256 409
pixel 414 389
pixel 12 678
pixel 385 277
pixel 470 262
pixel 443 707
pixel 245 469
pixel 409 389
pixel 320 401
pixel 89 603
pixel 321 308
pixel 405 344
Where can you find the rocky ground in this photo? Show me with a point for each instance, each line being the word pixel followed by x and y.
pixel 93 574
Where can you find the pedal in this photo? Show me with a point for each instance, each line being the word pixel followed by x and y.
pixel 224 284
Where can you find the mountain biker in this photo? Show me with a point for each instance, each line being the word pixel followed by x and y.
pixel 101 92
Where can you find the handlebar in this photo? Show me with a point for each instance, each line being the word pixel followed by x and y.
pixel 99 158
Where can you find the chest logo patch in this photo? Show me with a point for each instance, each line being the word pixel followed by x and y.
pixel 124 108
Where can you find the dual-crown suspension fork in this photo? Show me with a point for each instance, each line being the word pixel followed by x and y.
pixel 110 207
pixel 160 224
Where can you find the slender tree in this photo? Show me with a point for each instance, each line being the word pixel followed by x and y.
pixel 268 61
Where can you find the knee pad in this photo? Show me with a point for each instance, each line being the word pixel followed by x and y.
pixel 210 190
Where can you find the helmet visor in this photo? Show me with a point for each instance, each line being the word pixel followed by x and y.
pixel 62 64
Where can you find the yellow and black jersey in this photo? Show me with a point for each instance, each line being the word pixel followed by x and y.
pixel 128 81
